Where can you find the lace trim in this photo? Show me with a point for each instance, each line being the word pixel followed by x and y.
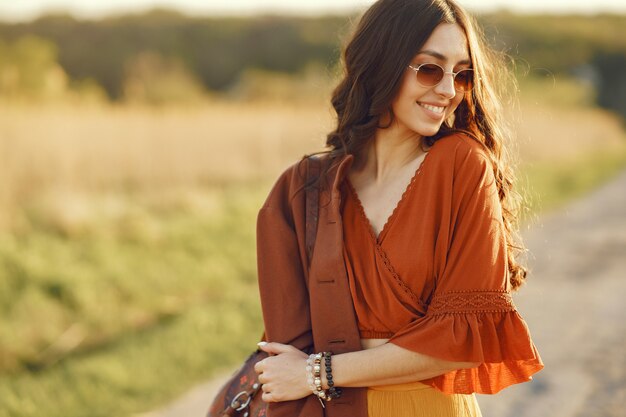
pixel 471 302
pixel 399 203
pixel 378 247
pixel 399 280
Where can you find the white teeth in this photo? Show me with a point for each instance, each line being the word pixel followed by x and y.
pixel 436 109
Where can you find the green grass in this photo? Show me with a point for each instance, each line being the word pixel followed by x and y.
pixel 547 186
pixel 118 316
pixel 113 319
pixel 140 370
pixel 558 91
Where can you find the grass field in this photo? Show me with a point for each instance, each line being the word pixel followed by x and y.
pixel 127 235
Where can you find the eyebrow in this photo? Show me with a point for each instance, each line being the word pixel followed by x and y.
pixel 442 57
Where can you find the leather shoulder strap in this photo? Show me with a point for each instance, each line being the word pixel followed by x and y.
pixel 312 205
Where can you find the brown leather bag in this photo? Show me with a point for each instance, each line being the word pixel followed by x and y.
pixel 240 396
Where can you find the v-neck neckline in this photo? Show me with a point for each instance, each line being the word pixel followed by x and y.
pixel 378 240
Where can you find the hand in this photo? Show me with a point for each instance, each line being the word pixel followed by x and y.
pixel 282 375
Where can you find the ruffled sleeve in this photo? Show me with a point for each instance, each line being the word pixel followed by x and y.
pixel 471 316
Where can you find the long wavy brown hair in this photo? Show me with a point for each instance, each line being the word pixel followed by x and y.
pixel 389 34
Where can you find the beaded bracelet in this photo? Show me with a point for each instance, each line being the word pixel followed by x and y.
pixel 313 374
pixel 309 371
pixel 317 377
pixel 333 392
pixel 314 378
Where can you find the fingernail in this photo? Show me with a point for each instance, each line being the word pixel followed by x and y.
pixel 261 344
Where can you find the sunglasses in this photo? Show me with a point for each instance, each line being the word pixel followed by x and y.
pixel 429 75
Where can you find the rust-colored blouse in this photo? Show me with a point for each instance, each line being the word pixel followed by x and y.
pixel 435 280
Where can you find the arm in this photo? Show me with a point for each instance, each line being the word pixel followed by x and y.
pixel 284 378
pixel 282 280
pixel 471 315
pixel 388 364
pixel 281 274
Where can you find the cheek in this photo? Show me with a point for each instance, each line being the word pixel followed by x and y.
pixel 408 90
pixel 403 101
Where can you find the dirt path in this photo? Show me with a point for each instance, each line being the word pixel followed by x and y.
pixel 574 306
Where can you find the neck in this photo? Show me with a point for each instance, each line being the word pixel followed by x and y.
pixel 388 152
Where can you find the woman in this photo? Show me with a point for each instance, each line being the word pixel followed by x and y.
pixel 409 286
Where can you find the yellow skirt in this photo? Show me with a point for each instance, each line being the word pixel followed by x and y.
pixel 418 400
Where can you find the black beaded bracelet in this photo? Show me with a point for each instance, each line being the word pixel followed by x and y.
pixel 333 392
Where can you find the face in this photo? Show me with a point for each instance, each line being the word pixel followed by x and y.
pixel 422 109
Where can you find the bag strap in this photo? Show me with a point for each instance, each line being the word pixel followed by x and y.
pixel 312 206
pixel 312 210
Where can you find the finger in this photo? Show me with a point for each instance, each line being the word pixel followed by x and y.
pixel 266 388
pixel 258 367
pixel 276 348
pixel 267 397
pixel 261 378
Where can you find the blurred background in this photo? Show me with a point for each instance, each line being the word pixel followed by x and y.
pixel 139 139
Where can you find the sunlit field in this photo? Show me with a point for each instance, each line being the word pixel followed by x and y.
pixel 127 263
pixel 70 153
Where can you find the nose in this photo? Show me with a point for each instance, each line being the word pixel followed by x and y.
pixel 445 88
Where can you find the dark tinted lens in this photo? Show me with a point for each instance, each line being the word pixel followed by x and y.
pixel 464 80
pixel 429 74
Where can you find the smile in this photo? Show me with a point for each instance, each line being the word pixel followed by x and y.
pixel 435 109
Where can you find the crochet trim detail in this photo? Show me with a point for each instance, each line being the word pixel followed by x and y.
pixel 471 302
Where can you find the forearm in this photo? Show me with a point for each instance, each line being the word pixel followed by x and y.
pixel 387 364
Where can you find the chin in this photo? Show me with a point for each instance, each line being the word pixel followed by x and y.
pixel 426 131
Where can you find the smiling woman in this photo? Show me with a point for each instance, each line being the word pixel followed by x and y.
pixel 429 87
pixel 405 307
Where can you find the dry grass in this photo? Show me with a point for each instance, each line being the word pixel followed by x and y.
pixel 62 156
pixel 546 133
pixel 64 152
pixel 98 146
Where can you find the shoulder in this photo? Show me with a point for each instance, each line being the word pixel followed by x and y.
pixel 461 153
pixel 459 145
pixel 286 200
pixel 284 189
pixel 288 191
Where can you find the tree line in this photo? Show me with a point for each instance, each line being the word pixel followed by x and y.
pixel 214 52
